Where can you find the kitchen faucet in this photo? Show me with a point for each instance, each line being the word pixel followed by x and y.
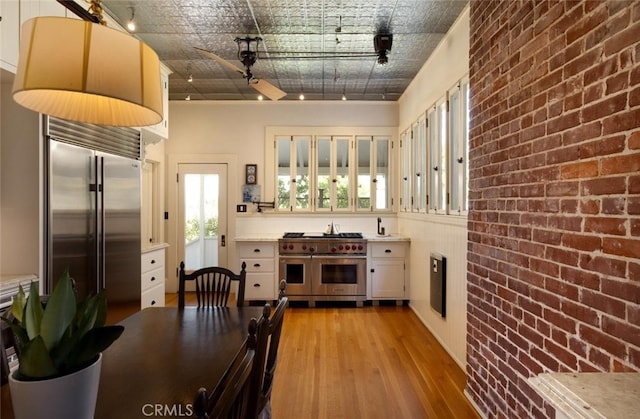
pixel 380 229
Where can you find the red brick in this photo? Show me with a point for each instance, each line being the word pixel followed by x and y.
pixel 601 340
pixel 602 147
pixel 590 206
pixel 583 242
pixel 580 277
pixel 623 121
pixel 561 354
pixel 628 163
pixel 600 359
pixel 603 303
pixel 614 206
pixel 603 186
pixel 603 265
pixel 634 184
pixel 606 225
pixel 579 170
pixel 581 313
pixel 624 290
pixel 622 40
pixel 624 331
pixel 621 247
pixel 634 139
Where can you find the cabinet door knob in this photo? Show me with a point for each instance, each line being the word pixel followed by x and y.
pixel 153 278
pixel 153 302
pixel 372 270
pixel 153 261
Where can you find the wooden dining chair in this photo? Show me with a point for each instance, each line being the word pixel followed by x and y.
pixel 213 285
pixel 229 398
pixel 267 358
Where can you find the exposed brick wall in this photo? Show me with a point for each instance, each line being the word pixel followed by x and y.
pixel 554 220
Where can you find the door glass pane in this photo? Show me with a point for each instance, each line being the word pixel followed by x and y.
pixel 433 160
pixel 324 173
pixel 302 145
pixel 455 142
pixel 442 157
pixel 283 154
pixel 364 173
pixel 201 193
pixel 383 192
pixel 339 274
pixel 342 173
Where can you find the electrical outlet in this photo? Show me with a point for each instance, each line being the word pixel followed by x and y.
pixel 241 208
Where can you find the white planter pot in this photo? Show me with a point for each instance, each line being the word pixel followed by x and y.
pixel 70 396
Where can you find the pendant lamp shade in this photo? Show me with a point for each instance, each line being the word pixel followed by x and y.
pixel 86 72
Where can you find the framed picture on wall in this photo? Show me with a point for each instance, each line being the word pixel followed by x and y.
pixel 251 174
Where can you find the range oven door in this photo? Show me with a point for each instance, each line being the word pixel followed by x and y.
pixel 339 275
pixel 296 271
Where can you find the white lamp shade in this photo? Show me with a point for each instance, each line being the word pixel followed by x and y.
pixel 86 72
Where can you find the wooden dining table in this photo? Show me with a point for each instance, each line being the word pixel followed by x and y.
pixel 163 356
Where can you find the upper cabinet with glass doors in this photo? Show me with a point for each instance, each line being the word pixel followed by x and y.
pixel 339 173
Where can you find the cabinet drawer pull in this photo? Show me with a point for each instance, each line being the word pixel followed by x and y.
pixel 256 250
pixel 388 251
pixel 256 285
pixel 256 265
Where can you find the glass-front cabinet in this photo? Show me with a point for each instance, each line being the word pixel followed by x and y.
pixel 333 173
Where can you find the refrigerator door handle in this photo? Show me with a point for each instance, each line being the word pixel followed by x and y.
pixel 102 284
pixel 95 187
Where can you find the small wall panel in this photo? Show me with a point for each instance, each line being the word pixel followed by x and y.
pixel 438 278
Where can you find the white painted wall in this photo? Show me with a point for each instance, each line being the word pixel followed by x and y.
pixel 234 133
pixel 20 186
pixel 429 233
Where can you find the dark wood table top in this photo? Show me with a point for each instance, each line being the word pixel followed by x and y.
pixel 163 356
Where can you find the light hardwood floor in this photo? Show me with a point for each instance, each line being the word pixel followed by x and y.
pixel 369 362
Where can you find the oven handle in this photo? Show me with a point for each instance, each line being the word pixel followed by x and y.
pixel 345 256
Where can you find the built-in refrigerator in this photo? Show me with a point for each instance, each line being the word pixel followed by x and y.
pixel 92 225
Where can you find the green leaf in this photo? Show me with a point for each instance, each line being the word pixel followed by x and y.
pixel 33 313
pixel 35 361
pixel 96 341
pixel 19 333
pixel 18 304
pixel 59 312
pixel 101 318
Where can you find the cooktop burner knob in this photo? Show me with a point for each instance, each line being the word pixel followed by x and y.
pixel 284 247
pixel 341 247
pixel 290 247
pixel 304 247
pixel 360 247
pixel 311 249
pixel 333 249
pixel 348 247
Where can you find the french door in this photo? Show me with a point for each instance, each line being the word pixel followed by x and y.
pixel 202 215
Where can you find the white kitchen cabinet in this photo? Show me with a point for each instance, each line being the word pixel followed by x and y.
pixel 260 257
pixel 14 13
pixel 388 268
pixel 155 133
pixel 152 284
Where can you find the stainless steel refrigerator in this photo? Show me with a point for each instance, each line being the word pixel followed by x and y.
pixel 93 211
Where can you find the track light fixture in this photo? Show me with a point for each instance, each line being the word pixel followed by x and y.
pixel 131 24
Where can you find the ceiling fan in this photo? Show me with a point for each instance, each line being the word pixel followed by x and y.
pixel 248 57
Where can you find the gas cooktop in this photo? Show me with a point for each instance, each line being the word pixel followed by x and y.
pixel 320 235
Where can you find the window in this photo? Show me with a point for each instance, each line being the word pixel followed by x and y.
pixel 435 150
pixel 373 186
pixel 421 176
pixel 293 174
pixel 459 123
pixel 332 180
pixel 438 157
pixel 324 173
pixel 405 144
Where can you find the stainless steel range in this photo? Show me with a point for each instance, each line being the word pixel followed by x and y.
pixel 319 266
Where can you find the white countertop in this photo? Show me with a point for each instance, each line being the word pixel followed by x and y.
pixel 590 394
pixel 276 236
pixel 154 246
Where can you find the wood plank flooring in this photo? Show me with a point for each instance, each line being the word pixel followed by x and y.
pixel 368 362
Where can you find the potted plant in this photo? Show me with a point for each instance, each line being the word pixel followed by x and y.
pixel 59 347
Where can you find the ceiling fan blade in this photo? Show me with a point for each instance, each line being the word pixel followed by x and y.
pixel 221 60
pixel 267 89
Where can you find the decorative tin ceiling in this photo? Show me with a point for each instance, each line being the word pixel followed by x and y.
pixel 323 49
